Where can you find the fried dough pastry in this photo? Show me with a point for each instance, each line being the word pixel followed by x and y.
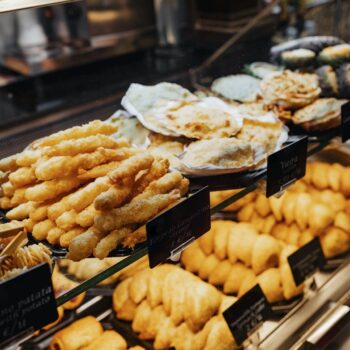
pixel 29 157
pixel 22 177
pixel 22 211
pixel 98 171
pixel 86 217
pixel 9 163
pixel 66 221
pixel 76 132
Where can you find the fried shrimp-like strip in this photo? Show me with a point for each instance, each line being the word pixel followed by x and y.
pixel 99 171
pixel 139 235
pixel 86 217
pixel 22 211
pixel 59 166
pixel 137 212
pixel 129 168
pixel 163 185
pixel 110 242
pixel 81 247
pixel 22 177
pixel 41 229
pixel 53 236
pixel 159 168
pixel 86 195
pixel 66 221
pixel 29 157
pixel 8 189
pixel 9 163
pixel 28 224
pixel 51 189
pixel 67 237
pixel 4 176
pixel 93 128
pixel 85 145
pixel 112 198
pixel 39 213
pixel 19 196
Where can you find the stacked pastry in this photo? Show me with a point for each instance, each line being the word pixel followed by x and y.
pixel 315 206
pixel 85 191
pixel 174 308
pixel 235 256
pixel 88 334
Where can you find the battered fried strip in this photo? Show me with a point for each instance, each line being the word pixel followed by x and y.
pixel 9 163
pixel 135 237
pixel 86 195
pixel 137 212
pixel 110 242
pixel 85 145
pixel 86 217
pixel 82 246
pixel 8 189
pixel 22 177
pixel 53 236
pixel 76 132
pixel 41 229
pixel 3 176
pixel 66 221
pixel 19 196
pixel 67 237
pixel 22 211
pixel 129 168
pixel 59 166
pixel 159 168
pixel 29 157
pixel 28 224
pixel 99 171
pixel 112 198
pixel 163 185
pixel 51 189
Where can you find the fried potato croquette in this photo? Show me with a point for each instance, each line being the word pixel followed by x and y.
pixel 130 168
pixel 81 247
pixel 9 163
pixel 93 128
pixel 8 189
pixel 53 236
pixel 51 189
pixel 22 177
pixel 22 211
pixel 110 242
pixel 85 145
pixel 19 196
pixel 86 217
pixel 67 237
pixel 86 195
pixel 41 229
pixel 112 198
pixel 99 171
pixel 137 212
pixel 66 221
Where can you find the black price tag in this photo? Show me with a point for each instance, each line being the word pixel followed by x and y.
pixel 345 122
pixel 247 313
pixel 286 166
pixel 27 302
pixel 306 260
pixel 170 232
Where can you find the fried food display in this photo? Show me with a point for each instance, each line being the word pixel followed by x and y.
pixel 83 190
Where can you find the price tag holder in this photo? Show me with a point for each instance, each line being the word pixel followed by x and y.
pixel 247 313
pixel 306 260
pixel 27 302
pixel 345 122
pixel 170 233
pixel 287 165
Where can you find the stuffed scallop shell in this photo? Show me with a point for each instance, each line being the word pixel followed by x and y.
pixel 324 113
pixel 290 90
